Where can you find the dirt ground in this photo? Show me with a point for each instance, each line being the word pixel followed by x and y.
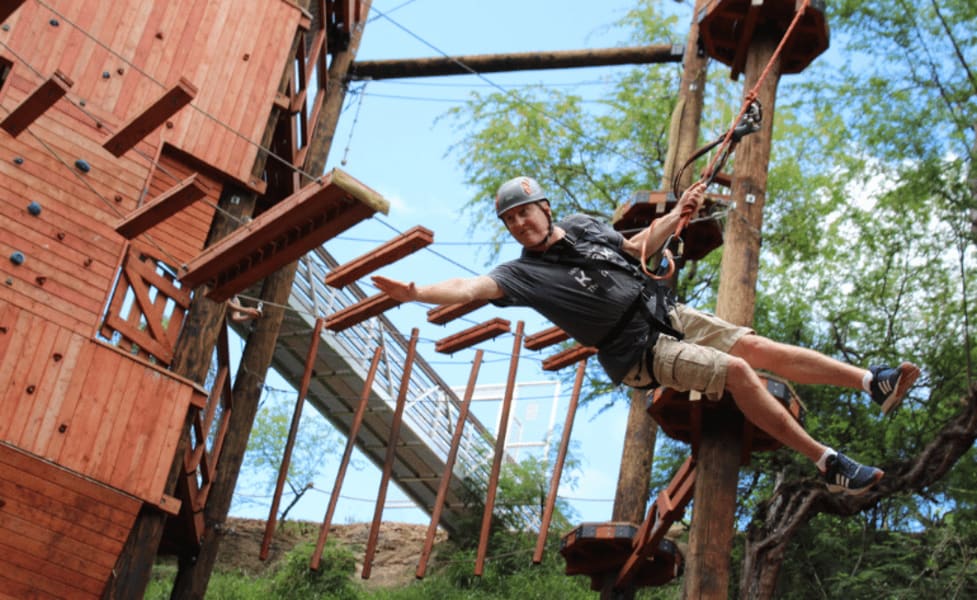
pixel 399 546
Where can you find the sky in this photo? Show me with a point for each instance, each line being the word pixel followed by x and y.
pixel 390 138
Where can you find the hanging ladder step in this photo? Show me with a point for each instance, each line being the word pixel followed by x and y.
pixel 161 207
pixel 472 335
pixel 359 312
pixel 37 103
pixel 152 117
pixel 406 243
pixel 545 338
pixel 446 313
pixel 599 550
pixel 568 357
pixel 282 234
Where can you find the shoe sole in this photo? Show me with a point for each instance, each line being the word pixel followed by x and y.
pixel 879 474
pixel 907 377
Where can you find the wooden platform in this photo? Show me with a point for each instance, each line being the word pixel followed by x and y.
pixel 643 207
pixel 680 417
pixel 727 27
pixel 294 226
pixel 599 550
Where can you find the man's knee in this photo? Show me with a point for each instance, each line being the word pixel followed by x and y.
pixel 739 374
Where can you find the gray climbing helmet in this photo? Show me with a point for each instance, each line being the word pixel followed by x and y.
pixel 516 192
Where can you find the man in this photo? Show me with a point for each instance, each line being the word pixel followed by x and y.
pixel 584 277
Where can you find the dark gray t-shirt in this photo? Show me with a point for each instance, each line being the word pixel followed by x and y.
pixel 586 298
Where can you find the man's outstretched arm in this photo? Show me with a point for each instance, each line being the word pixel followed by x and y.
pixel 449 291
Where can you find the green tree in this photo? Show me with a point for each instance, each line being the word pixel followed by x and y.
pixel 868 255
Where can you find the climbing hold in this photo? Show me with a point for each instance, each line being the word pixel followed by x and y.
pixel 106 74
pixel 34 208
pixel 83 166
pixel 54 22
pixel 5 27
pixel 18 160
pixel 17 258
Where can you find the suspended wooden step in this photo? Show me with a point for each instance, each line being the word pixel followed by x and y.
pixel 446 313
pixel 359 312
pixel 568 357
pixel 545 338
pixel 599 550
pixel 37 103
pixel 294 226
pixel 727 28
pixel 406 243
pixel 471 336
pixel 701 236
pixel 152 117
pixel 161 207
pixel 680 415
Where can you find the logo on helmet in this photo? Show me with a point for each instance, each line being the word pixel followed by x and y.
pixel 527 186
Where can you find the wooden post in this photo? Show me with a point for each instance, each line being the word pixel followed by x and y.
pixel 711 537
pixel 638 453
pixel 388 462
pixel 558 467
pixel 354 430
pixel 449 465
pixel 499 453
pixel 293 431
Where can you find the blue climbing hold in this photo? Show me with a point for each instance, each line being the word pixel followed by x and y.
pixel 83 166
pixel 17 258
pixel 18 160
pixel 54 22
pixel 34 208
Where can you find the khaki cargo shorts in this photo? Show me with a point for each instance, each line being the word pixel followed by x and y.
pixel 698 362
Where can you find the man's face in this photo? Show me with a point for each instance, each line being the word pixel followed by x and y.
pixel 528 223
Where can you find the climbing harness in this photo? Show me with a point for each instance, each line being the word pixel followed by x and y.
pixel 746 122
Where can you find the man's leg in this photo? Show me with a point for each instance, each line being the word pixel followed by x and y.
pixel 800 365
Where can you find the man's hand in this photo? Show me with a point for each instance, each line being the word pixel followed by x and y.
pixel 398 290
pixel 691 200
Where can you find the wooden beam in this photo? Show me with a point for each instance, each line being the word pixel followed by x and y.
pixel 161 207
pixel 445 313
pixel 8 8
pixel 545 338
pixel 152 117
pixel 568 357
pixel 281 235
pixel 35 105
pixel 524 61
pixel 406 243
pixel 472 335
pixel 359 312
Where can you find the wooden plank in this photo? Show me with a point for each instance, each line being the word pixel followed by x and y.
pixel 63 423
pixel 159 208
pixel 545 338
pixel 568 357
pixel 445 313
pixel 14 372
pixel 60 484
pixel 40 577
pixel 47 428
pixel 40 100
pixel 152 117
pixel 406 243
pixel 288 230
pixel 359 312
pixel 33 362
pixel 472 335
pixel 48 380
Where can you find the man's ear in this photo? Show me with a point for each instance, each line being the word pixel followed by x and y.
pixel 545 205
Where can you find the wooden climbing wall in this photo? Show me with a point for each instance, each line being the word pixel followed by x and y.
pixel 89 416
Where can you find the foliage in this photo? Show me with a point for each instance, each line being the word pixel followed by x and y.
pixel 333 579
pixel 266 446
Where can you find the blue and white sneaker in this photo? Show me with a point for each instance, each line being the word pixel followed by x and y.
pixel 890 384
pixel 850 477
